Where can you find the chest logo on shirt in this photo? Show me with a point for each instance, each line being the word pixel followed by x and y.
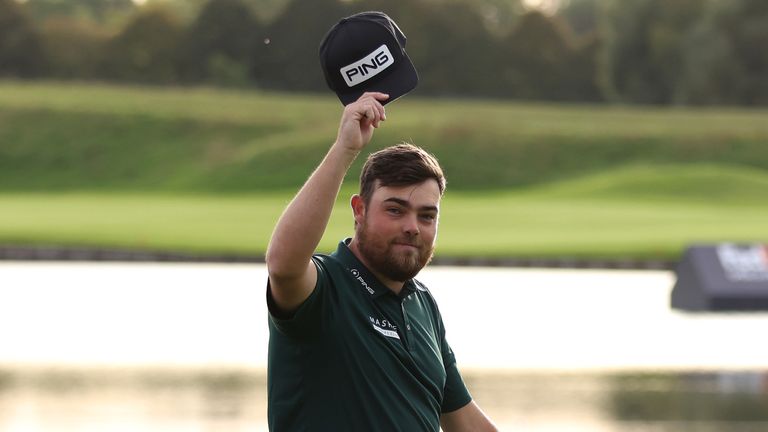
pixel 356 275
pixel 384 327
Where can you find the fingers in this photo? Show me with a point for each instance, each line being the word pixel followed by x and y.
pixel 381 97
pixel 370 109
pixel 359 120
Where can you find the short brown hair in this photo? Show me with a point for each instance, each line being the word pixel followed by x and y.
pixel 399 165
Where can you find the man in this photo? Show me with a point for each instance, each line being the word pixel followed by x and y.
pixel 356 344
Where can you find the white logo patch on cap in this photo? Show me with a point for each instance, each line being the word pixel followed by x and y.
pixel 367 67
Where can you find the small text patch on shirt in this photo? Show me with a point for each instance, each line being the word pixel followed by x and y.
pixel 384 327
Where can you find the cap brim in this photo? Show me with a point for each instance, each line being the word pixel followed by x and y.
pixel 396 84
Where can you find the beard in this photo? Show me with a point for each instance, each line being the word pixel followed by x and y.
pixel 395 265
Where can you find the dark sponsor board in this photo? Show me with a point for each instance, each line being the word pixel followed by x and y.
pixel 722 277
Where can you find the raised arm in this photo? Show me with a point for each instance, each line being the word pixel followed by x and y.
pixel 292 275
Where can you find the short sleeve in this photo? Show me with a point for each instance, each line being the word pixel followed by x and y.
pixel 455 393
pixel 303 321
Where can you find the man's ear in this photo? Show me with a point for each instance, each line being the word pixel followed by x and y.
pixel 358 208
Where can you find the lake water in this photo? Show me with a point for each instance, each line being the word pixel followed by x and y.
pixel 182 347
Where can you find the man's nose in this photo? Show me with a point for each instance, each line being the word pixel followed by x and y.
pixel 411 226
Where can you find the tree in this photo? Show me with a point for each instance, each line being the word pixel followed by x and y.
pixel 453 50
pixel 21 53
pixel 287 57
pixel 581 15
pixel 447 42
pixel 73 48
pixel 219 45
pixel 536 57
pixel 642 56
pixel 145 51
pixel 100 11
pixel 499 16
pixel 746 25
pixel 579 80
pixel 711 71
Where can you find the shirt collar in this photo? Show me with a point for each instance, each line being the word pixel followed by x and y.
pixel 364 277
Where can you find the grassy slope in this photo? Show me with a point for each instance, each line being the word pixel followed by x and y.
pixel 210 171
pixel 111 138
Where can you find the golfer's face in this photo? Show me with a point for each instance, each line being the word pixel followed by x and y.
pixel 399 228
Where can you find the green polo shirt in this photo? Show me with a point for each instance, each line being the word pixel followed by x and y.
pixel 357 357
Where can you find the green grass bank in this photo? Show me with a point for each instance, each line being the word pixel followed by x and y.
pixel 204 170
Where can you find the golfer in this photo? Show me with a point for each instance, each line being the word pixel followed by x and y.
pixel 357 344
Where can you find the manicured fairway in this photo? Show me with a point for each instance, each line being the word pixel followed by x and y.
pixel 511 224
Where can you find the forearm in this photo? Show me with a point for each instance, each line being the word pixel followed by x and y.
pixel 302 224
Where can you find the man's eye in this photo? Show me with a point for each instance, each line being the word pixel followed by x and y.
pixel 394 210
